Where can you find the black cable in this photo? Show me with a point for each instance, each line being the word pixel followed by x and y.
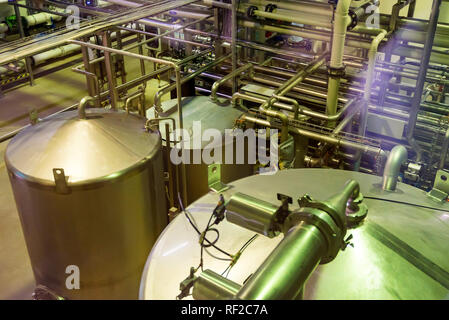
pixel 406 203
pixel 196 229
pixel 203 236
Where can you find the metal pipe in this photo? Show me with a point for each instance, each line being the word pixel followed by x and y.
pixel 396 158
pixel 234 27
pixel 82 106
pixel 292 16
pixel 295 107
pixel 177 70
pixel 341 22
pixel 161 92
pixel 309 34
pixel 283 274
pixel 28 65
pixel 308 242
pixel 281 116
pixel 293 81
pixel 444 148
pixel 96 82
pixel 137 95
pixel 368 89
pixel 336 141
pixel 218 4
pixel 229 76
pixel 433 21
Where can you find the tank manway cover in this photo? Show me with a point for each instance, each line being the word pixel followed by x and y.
pixel 101 147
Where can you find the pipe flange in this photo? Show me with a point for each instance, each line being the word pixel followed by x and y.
pixel 308 202
pixel 250 11
pixel 354 20
pixel 356 212
pixel 330 231
pixel 336 72
pixel 270 7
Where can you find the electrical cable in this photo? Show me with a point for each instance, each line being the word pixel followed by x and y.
pixel 405 203
pixel 196 228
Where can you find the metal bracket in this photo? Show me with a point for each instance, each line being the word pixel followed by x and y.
pixel 440 190
pixel 214 178
pixel 60 181
pixel 34 117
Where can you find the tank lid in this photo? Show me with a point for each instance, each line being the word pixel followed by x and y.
pixel 102 146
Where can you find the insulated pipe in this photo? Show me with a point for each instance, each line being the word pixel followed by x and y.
pixel 55 53
pixel 396 158
pixel 42 17
pixel 173 12
pixel 3 28
pixel 341 22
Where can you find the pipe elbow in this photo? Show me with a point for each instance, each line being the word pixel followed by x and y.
pixel 397 157
pixel 82 106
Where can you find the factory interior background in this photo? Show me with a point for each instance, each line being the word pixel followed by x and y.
pixel 224 149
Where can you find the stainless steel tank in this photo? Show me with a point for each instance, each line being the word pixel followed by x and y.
pixel 90 194
pixel 211 116
pixel 400 251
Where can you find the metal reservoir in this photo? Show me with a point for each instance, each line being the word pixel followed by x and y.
pixel 200 113
pixel 398 250
pixel 89 191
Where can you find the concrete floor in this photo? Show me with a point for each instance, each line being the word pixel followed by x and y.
pixel 50 94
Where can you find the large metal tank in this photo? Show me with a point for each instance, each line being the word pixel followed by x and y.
pixel 400 251
pixel 90 194
pixel 210 116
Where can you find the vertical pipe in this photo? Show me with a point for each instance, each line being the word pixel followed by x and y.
pixel 142 62
pixel 416 102
pixel 110 71
pixel 87 67
pixel 28 66
pixel 341 22
pixel 171 191
pixel 444 150
pixel 234 43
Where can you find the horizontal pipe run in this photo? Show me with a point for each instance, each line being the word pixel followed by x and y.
pixel 372 151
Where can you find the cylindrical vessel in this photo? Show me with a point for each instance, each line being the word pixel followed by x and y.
pixel 202 118
pixel 399 250
pixel 91 201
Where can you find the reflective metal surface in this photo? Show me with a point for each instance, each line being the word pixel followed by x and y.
pixel 199 115
pixel 99 210
pixel 98 147
pixel 400 251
